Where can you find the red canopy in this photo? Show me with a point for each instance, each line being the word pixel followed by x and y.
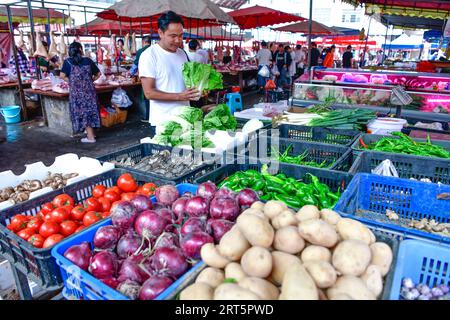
pixel 348 40
pixel 257 16
pixel 100 26
pixel 436 5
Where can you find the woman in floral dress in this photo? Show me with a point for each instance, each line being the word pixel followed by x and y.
pixel 81 72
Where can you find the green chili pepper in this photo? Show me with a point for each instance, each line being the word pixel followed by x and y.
pixel 259 185
pixel 290 201
pixel 275 180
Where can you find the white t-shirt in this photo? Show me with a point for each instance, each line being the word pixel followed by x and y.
pixel 197 57
pixel 264 57
pixel 204 53
pixel 300 57
pixel 166 68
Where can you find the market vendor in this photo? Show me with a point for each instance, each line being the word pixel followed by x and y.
pixel 160 70
pixel 44 63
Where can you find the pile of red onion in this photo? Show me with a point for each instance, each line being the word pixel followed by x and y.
pixel 149 246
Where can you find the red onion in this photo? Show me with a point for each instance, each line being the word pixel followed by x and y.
pixel 197 207
pixel 130 270
pixel 165 213
pixel 179 206
pixel 130 289
pixel 128 244
pixel 193 224
pixel 79 255
pixel 225 193
pixel 218 227
pixel 224 208
pixel 123 215
pixel 141 203
pixel 207 190
pixel 153 287
pixel 169 261
pixel 149 224
pixel 111 282
pixel 106 237
pixel 192 243
pixel 167 194
pixel 247 197
pixel 167 239
pixel 104 265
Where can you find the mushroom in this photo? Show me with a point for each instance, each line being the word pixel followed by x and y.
pixel 35 185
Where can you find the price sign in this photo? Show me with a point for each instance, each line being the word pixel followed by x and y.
pixel 400 97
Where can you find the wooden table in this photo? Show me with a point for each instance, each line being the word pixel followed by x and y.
pixel 56 105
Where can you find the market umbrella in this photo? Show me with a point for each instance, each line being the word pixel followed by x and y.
pixel 198 12
pixel 303 27
pixel 214 33
pixel 258 16
pixel 103 27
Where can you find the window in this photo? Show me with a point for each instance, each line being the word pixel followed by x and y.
pixel 353 18
pixel 343 18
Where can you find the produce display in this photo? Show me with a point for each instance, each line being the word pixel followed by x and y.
pixel 421 291
pixel 276 253
pixel 150 245
pixel 406 145
pixel 280 187
pixel 424 224
pixel 201 76
pixel 299 159
pixel 162 163
pixel 21 192
pixel 62 217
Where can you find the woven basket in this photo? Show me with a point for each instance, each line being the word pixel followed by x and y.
pixel 120 116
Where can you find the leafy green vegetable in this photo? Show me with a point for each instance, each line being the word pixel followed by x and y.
pixel 171 134
pixel 190 114
pixel 220 118
pixel 202 76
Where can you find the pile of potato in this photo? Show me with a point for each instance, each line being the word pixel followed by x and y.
pixel 274 253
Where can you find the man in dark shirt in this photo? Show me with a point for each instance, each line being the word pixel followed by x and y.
pixel 347 58
pixel 315 54
pixel 283 60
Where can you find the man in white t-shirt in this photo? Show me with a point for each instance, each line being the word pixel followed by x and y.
pixel 263 58
pixel 203 52
pixel 160 70
pixel 193 53
pixel 300 59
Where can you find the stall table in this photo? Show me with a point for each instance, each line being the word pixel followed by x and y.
pixel 230 77
pixel 55 105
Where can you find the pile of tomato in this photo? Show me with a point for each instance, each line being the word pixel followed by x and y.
pixel 62 217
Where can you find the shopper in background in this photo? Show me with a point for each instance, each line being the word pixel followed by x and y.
pixel 81 72
pixel 300 59
pixel 379 58
pixel 347 58
pixel 315 54
pixel 329 58
pixel 263 58
pixel 283 61
pixel 193 53
pixel 274 49
pixel 293 65
pixel 203 52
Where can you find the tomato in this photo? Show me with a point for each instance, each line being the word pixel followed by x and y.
pixel 80 228
pixel 126 183
pixel 34 224
pixel 128 196
pixel 111 195
pixel 91 217
pixel 48 228
pixel 116 189
pixel 59 215
pixel 92 205
pixel 37 240
pixel 47 207
pixel 106 214
pixel 98 191
pixel 63 200
pixel 68 227
pixel 149 189
pixel 52 240
pixel 68 208
pixel 77 213
pixel 10 227
pixel 40 215
pixel 25 234
pixel 48 217
pixel 19 222
pixel 105 203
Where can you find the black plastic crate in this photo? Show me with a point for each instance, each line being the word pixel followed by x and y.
pixel 38 264
pixel 435 169
pixel 139 151
pixel 318 134
pixel 335 156
pixel 334 179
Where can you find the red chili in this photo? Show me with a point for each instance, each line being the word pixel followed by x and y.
pixel 362 143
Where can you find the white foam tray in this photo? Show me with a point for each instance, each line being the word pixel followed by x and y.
pixel 65 164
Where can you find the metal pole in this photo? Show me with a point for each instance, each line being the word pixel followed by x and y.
pixel 309 39
pixel 361 63
pixel 385 43
pixel 16 62
pixel 30 17
pixel 85 21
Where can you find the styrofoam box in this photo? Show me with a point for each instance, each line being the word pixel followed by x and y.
pixel 64 164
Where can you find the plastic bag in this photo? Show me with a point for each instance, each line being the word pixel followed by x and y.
pixel 275 70
pixel 120 98
pixel 386 168
pixel 264 72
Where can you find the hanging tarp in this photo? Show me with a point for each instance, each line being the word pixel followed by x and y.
pixel 40 16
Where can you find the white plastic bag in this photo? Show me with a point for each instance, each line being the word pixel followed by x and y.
pixel 386 168
pixel 264 72
pixel 275 70
pixel 120 98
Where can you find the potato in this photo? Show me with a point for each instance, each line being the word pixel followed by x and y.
pixel 351 257
pixel 258 205
pixel 351 229
pixel 256 230
pixel 256 212
pixel 257 262
pixel 330 216
pixel 232 291
pixel 298 285
pixel 274 208
pixel 381 257
pixel 198 291
pixel 351 286
pixel 340 296
pixel 307 212
pixel 313 253
pixel 373 279
pixel 211 276
pixel 322 273
pixel 281 261
pixel 211 256
pixel 284 219
pixel 322 295
pixel 262 288
pixel 373 239
pixel 288 240
pixel 234 271
pixel 233 245
pixel 318 232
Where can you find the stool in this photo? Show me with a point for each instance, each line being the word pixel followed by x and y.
pixel 234 102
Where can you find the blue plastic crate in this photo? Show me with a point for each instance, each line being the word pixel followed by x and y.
pixel 422 262
pixel 369 196
pixel 79 284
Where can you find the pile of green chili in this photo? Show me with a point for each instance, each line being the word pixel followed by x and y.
pixel 406 145
pixel 294 193
pixel 300 159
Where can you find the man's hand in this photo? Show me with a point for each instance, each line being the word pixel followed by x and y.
pixel 189 94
